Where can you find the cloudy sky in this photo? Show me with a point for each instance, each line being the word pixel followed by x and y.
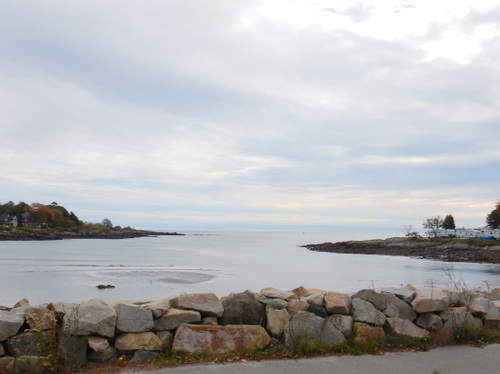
pixel 275 114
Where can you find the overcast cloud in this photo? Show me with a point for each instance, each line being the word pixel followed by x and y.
pixel 252 114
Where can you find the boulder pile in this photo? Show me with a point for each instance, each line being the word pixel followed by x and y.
pixel 101 331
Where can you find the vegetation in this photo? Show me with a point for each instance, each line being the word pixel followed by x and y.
pixel 433 225
pixel 40 215
pixel 449 222
pixel 493 219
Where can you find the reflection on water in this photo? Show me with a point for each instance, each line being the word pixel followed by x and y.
pixel 221 262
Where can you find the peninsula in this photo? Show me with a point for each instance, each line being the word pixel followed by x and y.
pixel 448 250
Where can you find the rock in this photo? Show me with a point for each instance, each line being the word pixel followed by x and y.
pixel 429 300
pixel 378 300
pixel 403 294
pixel 396 308
pixel 28 343
pixel 209 321
pixel 72 348
pixel 22 303
pixel 242 308
pixel 483 307
pixel 406 328
pixel 91 317
pixel 133 319
pixel 315 299
pixel 98 344
pixel 276 320
pixel 26 364
pixel 337 303
pixel 40 318
pixel 109 354
pixel 141 357
pixel 4 363
pixel 363 311
pixel 274 303
pixel 306 328
pixel 173 318
pixel 158 308
pixel 368 334
pixel 2 351
pixel 430 321
pixel 147 341
pixel 207 304
pixel 295 306
pixel 274 293
pixel 342 323
pixel 301 292
pixel 10 323
pixel 191 339
pixel 62 308
pixel 320 311
pixel 459 320
pixel 167 339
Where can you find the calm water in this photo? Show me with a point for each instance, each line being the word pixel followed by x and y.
pixel 219 262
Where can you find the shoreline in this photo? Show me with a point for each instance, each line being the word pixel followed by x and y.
pixel 83 233
pixel 478 251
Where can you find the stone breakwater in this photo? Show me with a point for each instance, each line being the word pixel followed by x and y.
pixel 101 332
pixel 481 251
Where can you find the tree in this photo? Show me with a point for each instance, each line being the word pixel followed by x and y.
pixel 106 222
pixel 433 225
pixel 493 219
pixel 449 222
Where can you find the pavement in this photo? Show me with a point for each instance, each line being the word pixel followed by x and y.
pixel 446 360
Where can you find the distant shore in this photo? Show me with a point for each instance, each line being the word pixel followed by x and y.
pixel 13 234
pixel 480 251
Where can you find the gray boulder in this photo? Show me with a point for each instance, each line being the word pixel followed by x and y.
pixel 26 364
pixel 208 304
pixel 406 328
pixel 133 319
pixel 242 308
pixel 378 300
pixel 430 321
pixel 404 294
pixel 342 323
pixel 191 339
pixel 276 320
pixel 10 323
pixel 396 308
pixel 274 293
pixel 92 317
pixel 429 300
pixel 173 318
pixel 364 311
pixel 146 341
pixel 274 303
pixel 306 328
pixel 28 343
pixel 142 357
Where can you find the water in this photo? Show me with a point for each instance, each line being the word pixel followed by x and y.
pixel 220 262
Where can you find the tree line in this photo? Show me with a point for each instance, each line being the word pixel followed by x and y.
pixel 52 215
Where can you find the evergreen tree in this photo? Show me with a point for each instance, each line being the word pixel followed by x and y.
pixel 493 219
pixel 449 222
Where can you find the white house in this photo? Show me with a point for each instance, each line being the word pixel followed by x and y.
pixel 463 233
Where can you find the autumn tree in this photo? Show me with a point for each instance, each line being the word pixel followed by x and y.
pixel 449 222
pixel 493 219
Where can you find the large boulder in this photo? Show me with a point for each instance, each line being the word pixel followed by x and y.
pixel 337 303
pixel 306 328
pixel 364 311
pixel 430 321
pixel 131 318
pixel 274 293
pixel 242 308
pixel 158 308
pixel 459 320
pixel 274 303
pixel 342 323
pixel 317 299
pixel 173 318
pixel 10 323
pixel 429 300
pixel 208 304
pixel 295 306
pixel 26 364
pixel 40 319
pixel 72 348
pixel 276 320
pixel 404 294
pixel 378 300
pixel 396 308
pixel 91 317
pixel 406 328
pixel 28 343
pixel 191 339
pixel 146 341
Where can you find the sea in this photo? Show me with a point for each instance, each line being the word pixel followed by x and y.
pixel 222 262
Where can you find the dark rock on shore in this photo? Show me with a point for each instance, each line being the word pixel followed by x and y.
pixel 84 233
pixel 483 251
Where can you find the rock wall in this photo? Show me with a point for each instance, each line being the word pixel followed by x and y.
pixel 101 331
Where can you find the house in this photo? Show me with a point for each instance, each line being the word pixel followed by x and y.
pixel 463 233
pixel 26 221
pixel 8 220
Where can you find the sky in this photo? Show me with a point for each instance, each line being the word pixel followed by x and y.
pixel 275 114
